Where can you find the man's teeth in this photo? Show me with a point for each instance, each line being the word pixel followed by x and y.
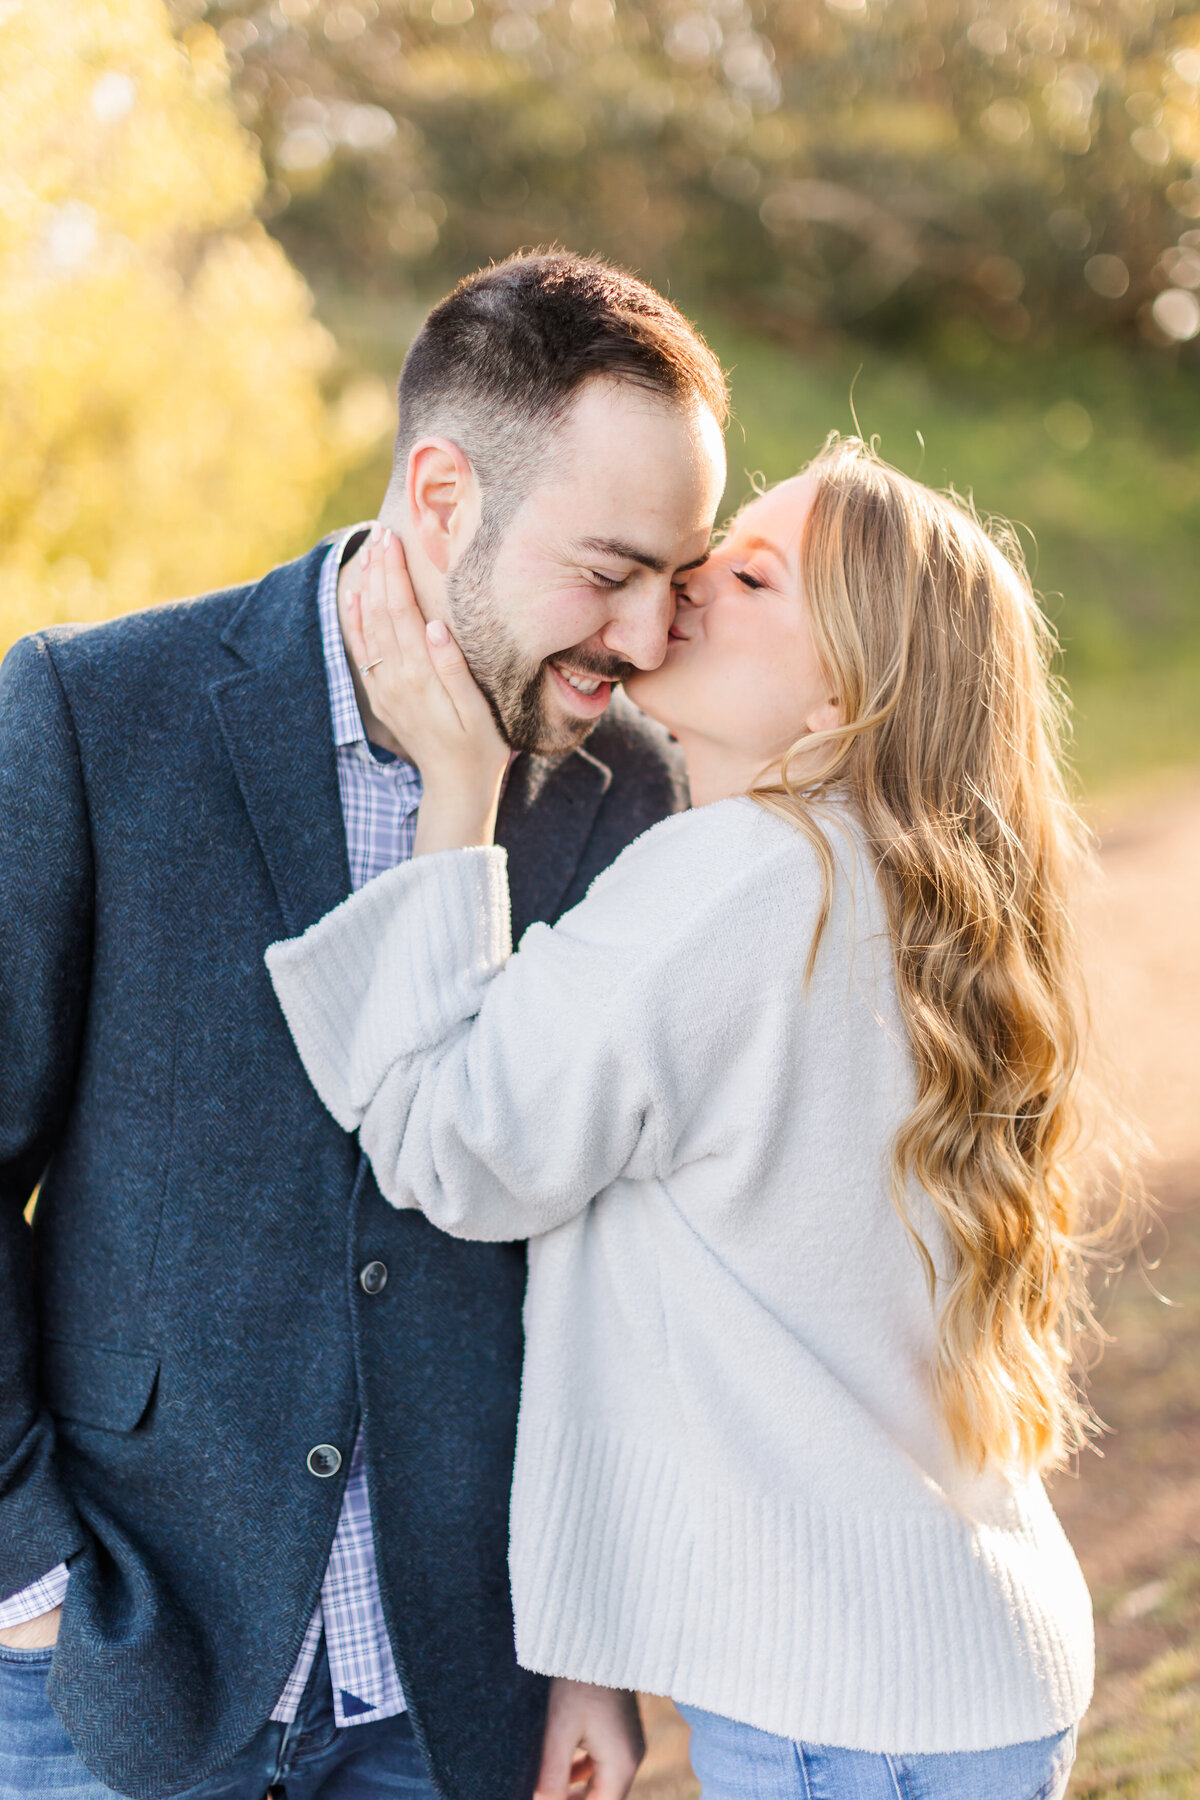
pixel 580 683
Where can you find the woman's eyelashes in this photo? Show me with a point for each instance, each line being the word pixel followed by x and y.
pixel 748 580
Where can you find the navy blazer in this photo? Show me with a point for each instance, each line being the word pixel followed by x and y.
pixel 184 1320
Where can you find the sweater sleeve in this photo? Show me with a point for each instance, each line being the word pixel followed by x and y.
pixel 499 1095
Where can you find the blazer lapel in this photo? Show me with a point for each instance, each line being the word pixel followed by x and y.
pixel 546 818
pixel 274 718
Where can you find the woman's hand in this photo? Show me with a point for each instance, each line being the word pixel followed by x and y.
pixel 421 688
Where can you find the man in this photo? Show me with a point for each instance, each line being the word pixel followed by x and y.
pixel 256 1428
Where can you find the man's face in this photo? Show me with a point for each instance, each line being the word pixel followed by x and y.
pixel 579 591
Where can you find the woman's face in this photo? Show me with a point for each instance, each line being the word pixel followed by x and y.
pixel 740 681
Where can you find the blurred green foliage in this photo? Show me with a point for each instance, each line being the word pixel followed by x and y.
pixel 995 209
pixel 889 165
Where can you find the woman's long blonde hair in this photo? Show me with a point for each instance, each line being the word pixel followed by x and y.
pixel 950 756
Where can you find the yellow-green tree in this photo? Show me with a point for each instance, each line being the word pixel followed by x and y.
pixel 163 422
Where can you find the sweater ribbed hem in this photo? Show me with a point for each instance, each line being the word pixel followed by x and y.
pixel 905 1632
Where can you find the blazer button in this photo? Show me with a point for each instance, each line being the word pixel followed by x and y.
pixel 373 1278
pixel 323 1460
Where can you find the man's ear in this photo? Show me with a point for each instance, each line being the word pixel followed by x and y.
pixel 443 500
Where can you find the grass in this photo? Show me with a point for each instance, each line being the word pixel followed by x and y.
pixel 1152 1751
pixel 1094 455
pixel 1135 725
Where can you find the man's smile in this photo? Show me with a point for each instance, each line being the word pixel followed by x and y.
pixel 586 694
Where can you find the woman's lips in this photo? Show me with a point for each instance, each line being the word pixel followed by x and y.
pixel 584 706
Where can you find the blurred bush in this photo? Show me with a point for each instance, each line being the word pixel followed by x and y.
pixel 162 421
pixel 912 168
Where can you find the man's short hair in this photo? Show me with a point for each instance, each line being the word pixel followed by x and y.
pixel 497 363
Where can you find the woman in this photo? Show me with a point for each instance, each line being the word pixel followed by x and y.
pixel 788 1108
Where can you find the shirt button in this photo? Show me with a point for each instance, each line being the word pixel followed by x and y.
pixel 373 1278
pixel 323 1460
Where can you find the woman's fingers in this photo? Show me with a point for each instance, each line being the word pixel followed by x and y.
pixel 450 666
pixel 393 624
pixel 420 688
pixel 367 625
pixel 403 687
pixel 400 601
pixel 356 643
pixel 378 628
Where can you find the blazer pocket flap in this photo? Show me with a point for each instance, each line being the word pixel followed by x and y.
pixel 96 1385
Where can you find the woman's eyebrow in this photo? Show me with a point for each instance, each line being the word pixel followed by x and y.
pixel 761 543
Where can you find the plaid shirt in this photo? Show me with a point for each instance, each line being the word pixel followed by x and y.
pixel 379 796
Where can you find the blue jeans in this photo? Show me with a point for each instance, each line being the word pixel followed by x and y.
pixel 310 1759
pixel 738 1762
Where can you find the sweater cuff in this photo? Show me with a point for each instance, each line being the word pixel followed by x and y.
pixel 391 970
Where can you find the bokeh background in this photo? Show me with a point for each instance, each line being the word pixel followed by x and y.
pixel 971 227
pixel 974 227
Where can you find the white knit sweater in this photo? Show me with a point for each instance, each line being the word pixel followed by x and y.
pixel 731 1483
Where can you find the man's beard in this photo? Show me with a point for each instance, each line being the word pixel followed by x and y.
pixel 516 689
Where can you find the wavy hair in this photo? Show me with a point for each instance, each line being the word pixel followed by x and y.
pixel 950 754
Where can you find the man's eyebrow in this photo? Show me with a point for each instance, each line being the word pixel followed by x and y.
pixel 626 553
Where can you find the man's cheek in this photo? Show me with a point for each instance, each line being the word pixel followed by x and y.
pixel 569 618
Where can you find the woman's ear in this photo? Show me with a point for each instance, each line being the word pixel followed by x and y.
pixel 826 716
pixel 443 500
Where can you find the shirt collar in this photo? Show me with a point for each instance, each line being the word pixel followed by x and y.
pixel 343 706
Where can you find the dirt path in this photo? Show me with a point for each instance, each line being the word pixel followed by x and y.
pixel 1134 1513
pixel 1143 937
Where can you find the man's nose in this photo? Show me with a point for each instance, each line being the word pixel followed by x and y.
pixel 637 633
